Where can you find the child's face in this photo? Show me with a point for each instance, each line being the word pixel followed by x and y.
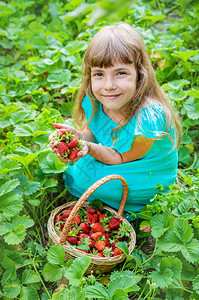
pixel 114 87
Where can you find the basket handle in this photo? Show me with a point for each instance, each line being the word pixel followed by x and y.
pixel 87 194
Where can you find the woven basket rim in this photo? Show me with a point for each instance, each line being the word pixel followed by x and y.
pixel 77 253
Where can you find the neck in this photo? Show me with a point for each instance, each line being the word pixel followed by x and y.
pixel 116 116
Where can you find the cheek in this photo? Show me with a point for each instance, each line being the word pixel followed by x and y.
pixel 95 86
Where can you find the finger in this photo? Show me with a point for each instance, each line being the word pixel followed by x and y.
pixel 62 159
pixel 58 126
pixel 82 153
pixel 52 145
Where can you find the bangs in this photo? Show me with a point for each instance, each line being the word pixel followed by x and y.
pixel 106 50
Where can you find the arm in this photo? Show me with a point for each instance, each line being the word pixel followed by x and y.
pixel 110 156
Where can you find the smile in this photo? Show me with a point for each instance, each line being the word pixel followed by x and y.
pixel 111 96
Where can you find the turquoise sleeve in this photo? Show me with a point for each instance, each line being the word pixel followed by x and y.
pixel 150 122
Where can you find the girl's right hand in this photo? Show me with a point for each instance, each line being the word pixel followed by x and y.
pixel 62 126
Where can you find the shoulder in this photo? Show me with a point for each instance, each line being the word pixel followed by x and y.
pixel 150 120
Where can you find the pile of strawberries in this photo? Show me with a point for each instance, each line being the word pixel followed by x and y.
pixel 94 231
pixel 67 144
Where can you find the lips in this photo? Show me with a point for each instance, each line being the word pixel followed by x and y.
pixel 111 96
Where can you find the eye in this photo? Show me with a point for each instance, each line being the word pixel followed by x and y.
pixel 97 74
pixel 121 73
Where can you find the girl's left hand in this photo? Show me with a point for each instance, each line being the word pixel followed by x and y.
pixel 82 153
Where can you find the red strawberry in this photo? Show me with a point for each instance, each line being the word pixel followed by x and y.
pixel 79 242
pixel 73 143
pixel 100 245
pixel 44 88
pixel 114 223
pixel 98 211
pixel 83 236
pixel 113 245
pixel 96 235
pixel 58 218
pixel 66 213
pixel 91 232
pixel 95 218
pixel 62 148
pixel 107 235
pixel 92 243
pixel 73 153
pixel 90 210
pixel 70 207
pixel 89 219
pixel 107 243
pixel 102 216
pixel 86 251
pixel 72 240
pixel 76 220
pixel 62 132
pixel 98 227
pixel 100 254
pixel 117 252
pixel 85 227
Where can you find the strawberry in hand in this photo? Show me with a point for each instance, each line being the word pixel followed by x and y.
pixel 62 148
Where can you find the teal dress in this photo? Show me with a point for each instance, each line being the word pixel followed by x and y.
pixel 157 166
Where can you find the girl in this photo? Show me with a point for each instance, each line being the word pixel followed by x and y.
pixel 125 120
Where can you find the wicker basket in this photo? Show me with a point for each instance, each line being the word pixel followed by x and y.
pixel 103 264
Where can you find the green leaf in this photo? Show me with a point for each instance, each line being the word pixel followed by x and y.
pixel 183 207
pixel 185 55
pixel 9 275
pixel 23 130
pixel 9 186
pixel 12 289
pixel 31 188
pixel 123 247
pixel 184 155
pixel 60 79
pixel 196 284
pixel 56 255
pixel 170 242
pixel 125 282
pixel 76 46
pixel 24 220
pixel 173 263
pixel 191 251
pixel 162 279
pixel 119 295
pixel 52 164
pixel 28 293
pixel 24 160
pixel 97 291
pixel 6 227
pixel 159 224
pixel 52 273
pixel 49 182
pixel 183 230
pixel 16 236
pixel 30 276
pixel 77 269
pixel 76 293
pixel 10 204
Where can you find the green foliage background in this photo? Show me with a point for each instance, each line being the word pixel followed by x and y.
pixel 42 44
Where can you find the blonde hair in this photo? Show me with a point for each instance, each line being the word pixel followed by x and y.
pixel 122 43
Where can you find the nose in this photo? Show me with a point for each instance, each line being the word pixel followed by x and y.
pixel 109 83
